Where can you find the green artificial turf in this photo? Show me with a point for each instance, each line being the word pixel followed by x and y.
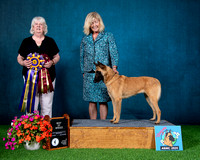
pixel 191 150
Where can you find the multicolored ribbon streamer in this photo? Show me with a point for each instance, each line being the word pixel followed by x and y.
pixel 44 82
pixel 30 86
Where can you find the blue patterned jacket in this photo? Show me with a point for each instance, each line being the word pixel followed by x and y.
pixel 103 49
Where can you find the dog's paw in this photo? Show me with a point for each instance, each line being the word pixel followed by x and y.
pixel 116 122
pixel 112 120
pixel 152 119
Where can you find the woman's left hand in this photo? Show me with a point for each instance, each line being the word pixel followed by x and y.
pixel 48 64
pixel 115 70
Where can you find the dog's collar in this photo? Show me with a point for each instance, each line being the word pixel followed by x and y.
pixel 112 79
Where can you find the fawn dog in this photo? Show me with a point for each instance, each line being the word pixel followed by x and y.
pixel 120 87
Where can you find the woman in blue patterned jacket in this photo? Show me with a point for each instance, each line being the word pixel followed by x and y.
pixel 97 45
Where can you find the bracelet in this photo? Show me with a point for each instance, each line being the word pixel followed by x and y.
pixel 53 62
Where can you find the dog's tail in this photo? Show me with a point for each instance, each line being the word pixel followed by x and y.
pixel 159 92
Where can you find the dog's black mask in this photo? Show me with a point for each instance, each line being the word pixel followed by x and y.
pixel 171 138
pixel 98 77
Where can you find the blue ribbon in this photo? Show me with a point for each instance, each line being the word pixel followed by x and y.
pixel 30 85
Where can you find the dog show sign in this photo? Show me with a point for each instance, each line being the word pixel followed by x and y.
pixel 60 133
pixel 168 138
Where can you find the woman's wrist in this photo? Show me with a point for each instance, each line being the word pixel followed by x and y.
pixel 53 63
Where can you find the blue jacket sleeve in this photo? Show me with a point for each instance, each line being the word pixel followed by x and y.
pixel 82 56
pixel 113 50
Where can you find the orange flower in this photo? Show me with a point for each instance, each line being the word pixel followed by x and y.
pixel 43 128
pixel 33 128
pixel 36 117
pixel 21 140
pixel 27 126
pixel 22 122
pixel 42 136
pixel 19 133
pixel 28 138
pixel 45 122
pixel 38 139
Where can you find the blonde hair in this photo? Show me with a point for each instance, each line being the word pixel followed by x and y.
pixel 41 20
pixel 88 21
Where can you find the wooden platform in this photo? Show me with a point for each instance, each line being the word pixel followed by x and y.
pixel 103 134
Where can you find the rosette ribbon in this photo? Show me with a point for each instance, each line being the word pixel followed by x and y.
pixel 44 82
pixel 30 85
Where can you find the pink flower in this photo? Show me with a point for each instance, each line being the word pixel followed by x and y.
pixel 35 112
pixel 13 139
pixel 31 119
pixel 4 139
pixel 26 116
pixel 22 117
pixel 6 144
pixel 12 148
pixel 7 147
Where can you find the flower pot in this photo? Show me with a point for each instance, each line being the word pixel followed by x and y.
pixel 31 145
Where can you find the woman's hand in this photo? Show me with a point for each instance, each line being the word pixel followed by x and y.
pixel 115 69
pixel 27 63
pixel 55 60
pixel 48 64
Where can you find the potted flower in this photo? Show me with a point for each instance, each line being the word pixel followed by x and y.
pixel 28 129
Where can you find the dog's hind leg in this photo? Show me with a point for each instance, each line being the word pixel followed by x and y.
pixel 153 97
pixel 152 107
pixel 118 103
pixel 154 102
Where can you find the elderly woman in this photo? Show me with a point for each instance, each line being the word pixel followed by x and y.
pixel 42 44
pixel 96 45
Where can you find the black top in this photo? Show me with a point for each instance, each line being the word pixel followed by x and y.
pixel 48 47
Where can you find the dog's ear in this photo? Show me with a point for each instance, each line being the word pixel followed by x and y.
pixel 95 64
pixel 102 66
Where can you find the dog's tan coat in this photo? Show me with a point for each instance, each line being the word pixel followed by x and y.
pixel 120 87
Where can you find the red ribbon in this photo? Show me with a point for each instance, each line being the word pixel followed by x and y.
pixel 44 81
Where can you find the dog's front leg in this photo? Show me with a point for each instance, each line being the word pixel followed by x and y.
pixel 114 110
pixel 118 103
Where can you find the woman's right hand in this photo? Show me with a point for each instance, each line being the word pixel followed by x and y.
pixel 27 63
pixel 22 62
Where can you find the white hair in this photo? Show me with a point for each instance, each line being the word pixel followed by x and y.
pixel 41 20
